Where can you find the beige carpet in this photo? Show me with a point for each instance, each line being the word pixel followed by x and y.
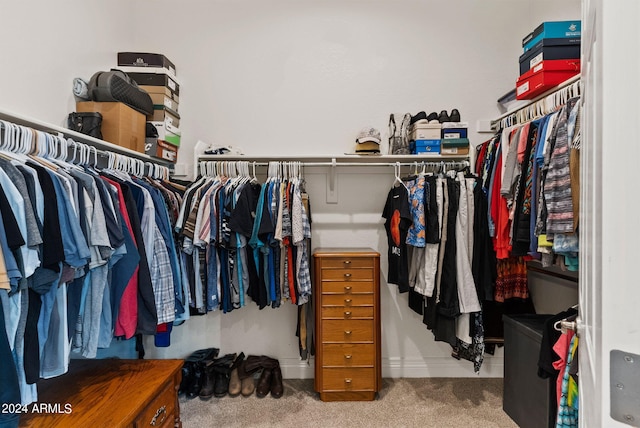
pixel 434 402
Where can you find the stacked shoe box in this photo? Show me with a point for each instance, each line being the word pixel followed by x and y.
pixel 424 133
pixel 156 74
pixel 454 138
pixel 551 56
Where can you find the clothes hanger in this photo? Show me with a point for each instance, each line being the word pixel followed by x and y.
pixel 398 180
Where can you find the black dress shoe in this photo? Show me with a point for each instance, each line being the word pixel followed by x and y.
pixel 444 117
pixel 433 117
pixel 455 115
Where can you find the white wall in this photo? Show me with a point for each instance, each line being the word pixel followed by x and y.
pixel 284 77
pixel 303 77
pixel 46 44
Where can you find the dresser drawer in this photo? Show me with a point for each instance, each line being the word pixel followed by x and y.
pixel 347 262
pixel 160 412
pixel 346 331
pixel 347 300
pixel 347 274
pixel 356 312
pixel 347 287
pixel 348 355
pixel 348 379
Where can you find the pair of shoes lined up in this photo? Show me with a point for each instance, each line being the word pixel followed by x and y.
pixel 434 117
pixel 270 380
pixel 193 371
pixel 454 116
pixel 218 376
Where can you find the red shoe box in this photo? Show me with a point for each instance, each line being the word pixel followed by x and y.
pixel 545 76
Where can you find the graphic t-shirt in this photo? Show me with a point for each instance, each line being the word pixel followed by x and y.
pixel 398 220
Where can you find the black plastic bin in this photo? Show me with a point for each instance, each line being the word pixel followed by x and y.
pixel 527 398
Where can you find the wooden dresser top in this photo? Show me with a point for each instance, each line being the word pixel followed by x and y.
pixel 345 252
pixel 109 393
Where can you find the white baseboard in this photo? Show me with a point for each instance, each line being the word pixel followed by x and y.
pixel 293 368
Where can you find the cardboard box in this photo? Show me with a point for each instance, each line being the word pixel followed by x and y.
pixel 425 146
pixel 155 79
pixel 160 90
pixel 552 30
pixel 425 131
pixel 161 149
pixel 121 124
pixel 545 76
pixel 163 100
pixel 163 114
pixel 168 132
pixel 141 59
pixel 454 146
pixel 543 52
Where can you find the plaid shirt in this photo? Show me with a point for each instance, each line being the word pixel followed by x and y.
pixel 162 280
pixel 303 271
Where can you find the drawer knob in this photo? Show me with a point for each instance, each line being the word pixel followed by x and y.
pixel 347 313
pixel 347 332
pixel 347 275
pixel 161 412
pixel 347 262
pixel 347 288
pixel 347 301
pixel 348 356
pixel 347 380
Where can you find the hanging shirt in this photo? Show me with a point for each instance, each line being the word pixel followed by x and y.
pixel 398 219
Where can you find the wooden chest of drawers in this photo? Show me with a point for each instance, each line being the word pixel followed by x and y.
pixel 109 393
pixel 347 300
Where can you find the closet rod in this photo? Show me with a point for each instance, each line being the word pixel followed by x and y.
pixel 558 88
pixel 463 163
pixel 39 125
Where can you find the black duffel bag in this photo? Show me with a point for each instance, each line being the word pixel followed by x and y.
pixel 116 86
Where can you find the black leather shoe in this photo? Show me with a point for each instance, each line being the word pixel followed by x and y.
pixel 264 384
pixel 187 378
pixel 455 115
pixel 252 364
pixel 433 117
pixel 208 384
pixel 277 389
pixel 444 117
pixel 221 376
pixel 197 380
pixel 419 116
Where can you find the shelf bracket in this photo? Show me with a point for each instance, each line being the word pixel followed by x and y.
pixel 332 183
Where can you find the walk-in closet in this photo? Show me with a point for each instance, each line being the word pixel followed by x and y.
pixel 240 257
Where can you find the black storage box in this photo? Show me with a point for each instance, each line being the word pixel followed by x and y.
pixel 155 79
pixel 542 51
pixel 142 59
pixel 527 398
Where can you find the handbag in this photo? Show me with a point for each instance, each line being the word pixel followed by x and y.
pixel 86 123
pixel 399 139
